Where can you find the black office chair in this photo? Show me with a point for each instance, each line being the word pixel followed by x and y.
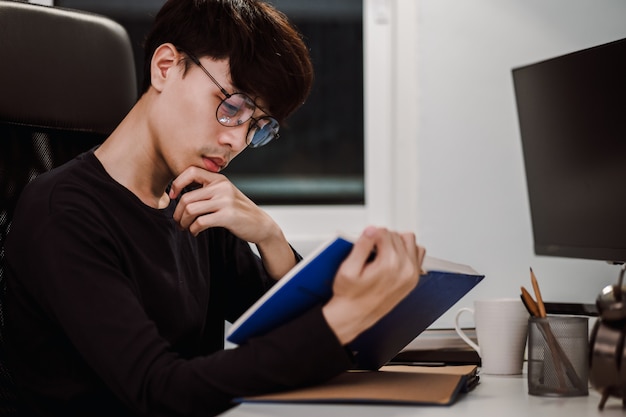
pixel 67 78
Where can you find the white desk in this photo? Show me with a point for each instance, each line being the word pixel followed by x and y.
pixel 494 396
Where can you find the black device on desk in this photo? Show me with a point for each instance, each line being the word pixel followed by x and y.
pixel 437 357
pixel 571 112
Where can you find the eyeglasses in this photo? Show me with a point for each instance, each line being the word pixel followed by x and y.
pixel 238 108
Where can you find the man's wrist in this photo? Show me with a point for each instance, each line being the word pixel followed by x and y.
pixel 340 318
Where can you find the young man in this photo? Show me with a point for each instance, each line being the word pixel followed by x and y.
pixel 124 263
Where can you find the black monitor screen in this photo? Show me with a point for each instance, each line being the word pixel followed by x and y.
pixel 572 119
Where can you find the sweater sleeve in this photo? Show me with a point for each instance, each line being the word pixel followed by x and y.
pixel 302 352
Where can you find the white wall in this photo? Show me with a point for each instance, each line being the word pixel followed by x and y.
pixel 472 198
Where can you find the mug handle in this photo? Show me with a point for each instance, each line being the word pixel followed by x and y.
pixel 460 331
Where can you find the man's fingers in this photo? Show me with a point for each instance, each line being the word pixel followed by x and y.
pixel 413 248
pixel 361 252
pixel 421 253
pixel 191 175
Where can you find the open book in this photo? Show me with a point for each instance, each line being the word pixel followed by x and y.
pixel 309 283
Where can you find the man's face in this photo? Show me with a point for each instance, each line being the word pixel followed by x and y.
pixel 189 133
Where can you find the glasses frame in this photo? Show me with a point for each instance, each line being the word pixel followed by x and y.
pixel 253 126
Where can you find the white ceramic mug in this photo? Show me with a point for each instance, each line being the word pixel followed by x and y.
pixel 501 330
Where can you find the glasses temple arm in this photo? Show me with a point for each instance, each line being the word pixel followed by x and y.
pixel 196 61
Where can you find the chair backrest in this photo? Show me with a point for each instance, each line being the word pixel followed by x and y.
pixel 67 78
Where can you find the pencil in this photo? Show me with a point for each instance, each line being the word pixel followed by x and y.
pixel 530 303
pixel 540 305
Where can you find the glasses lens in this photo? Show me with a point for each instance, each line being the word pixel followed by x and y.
pixel 264 130
pixel 235 110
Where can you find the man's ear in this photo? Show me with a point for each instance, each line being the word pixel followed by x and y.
pixel 165 58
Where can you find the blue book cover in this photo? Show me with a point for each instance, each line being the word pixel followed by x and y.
pixel 309 283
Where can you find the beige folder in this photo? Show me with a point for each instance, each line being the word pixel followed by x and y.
pixel 437 385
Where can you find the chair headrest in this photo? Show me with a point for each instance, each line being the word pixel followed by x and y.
pixel 64 69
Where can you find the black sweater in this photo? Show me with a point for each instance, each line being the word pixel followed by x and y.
pixel 113 310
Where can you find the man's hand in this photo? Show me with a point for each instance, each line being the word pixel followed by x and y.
pixel 365 291
pixel 218 203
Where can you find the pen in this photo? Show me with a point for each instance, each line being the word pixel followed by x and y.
pixel 418 363
pixel 541 306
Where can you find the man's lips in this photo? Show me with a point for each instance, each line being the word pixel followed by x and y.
pixel 213 164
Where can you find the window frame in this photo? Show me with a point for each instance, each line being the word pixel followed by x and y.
pixel 390 112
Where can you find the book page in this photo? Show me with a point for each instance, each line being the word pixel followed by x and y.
pixel 436 264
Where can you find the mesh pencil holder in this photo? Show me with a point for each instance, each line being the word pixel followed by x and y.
pixel 558 356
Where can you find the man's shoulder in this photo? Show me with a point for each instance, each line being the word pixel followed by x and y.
pixel 51 201
pixel 72 170
pixel 66 182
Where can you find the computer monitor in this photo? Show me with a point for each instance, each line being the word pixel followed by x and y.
pixel 572 120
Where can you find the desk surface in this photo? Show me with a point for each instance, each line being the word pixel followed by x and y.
pixel 494 396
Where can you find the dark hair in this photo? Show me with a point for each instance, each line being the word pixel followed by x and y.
pixel 267 56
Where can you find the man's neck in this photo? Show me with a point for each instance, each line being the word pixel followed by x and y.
pixel 129 157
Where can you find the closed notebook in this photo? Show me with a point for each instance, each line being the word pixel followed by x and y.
pixel 413 385
pixel 309 283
